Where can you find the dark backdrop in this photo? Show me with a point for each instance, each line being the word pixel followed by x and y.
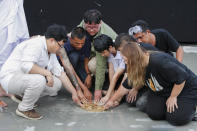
pixel 179 17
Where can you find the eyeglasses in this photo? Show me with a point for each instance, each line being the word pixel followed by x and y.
pixel 92 27
pixel 65 40
pixel 61 46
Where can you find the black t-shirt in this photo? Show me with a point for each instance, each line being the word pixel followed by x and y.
pixel 148 47
pixel 163 71
pixel 165 41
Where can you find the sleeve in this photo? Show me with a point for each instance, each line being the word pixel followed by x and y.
pixel 107 30
pixel 172 72
pixel 100 71
pixel 148 47
pixel 113 34
pixel 31 54
pixel 171 41
pixel 109 59
pixel 122 64
pixel 81 24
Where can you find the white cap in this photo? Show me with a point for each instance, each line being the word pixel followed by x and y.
pixel 134 30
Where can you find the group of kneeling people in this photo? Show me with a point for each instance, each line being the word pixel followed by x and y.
pixel 141 67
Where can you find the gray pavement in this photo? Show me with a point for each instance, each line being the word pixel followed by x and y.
pixel 61 114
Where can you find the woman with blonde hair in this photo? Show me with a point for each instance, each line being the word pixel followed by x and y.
pixel 173 87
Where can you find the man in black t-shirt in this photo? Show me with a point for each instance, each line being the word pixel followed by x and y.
pixel 124 38
pixel 160 38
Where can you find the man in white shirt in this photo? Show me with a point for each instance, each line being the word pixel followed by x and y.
pixel 105 45
pixel 32 70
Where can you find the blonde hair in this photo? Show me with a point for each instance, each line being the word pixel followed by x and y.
pixel 136 66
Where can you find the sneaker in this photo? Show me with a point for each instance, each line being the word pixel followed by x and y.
pixel 195 117
pixel 31 114
pixel 18 99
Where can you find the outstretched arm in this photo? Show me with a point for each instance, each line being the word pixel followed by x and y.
pixel 118 95
pixel 71 73
pixel 179 54
pixel 68 67
pixel 68 85
pixel 113 83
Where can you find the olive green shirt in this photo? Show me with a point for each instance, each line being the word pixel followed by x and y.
pixel 101 62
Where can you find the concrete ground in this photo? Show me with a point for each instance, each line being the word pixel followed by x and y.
pixel 61 114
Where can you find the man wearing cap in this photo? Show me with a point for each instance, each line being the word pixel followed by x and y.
pixel 159 38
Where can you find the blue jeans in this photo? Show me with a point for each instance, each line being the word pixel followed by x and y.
pixel 78 65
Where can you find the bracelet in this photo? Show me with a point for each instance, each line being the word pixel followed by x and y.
pixel 46 79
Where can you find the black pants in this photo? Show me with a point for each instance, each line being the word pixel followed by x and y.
pixel 157 110
pixel 141 99
pixel 107 82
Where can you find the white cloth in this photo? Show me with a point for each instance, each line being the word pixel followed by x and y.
pixel 13 27
pixel 29 52
pixel 117 61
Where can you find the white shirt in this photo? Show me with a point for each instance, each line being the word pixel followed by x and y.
pixel 117 61
pixel 29 52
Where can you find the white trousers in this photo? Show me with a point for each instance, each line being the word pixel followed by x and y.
pixel 32 86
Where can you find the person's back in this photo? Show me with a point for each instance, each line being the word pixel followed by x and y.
pixel 148 47
pixel 165 41
pixel 17 55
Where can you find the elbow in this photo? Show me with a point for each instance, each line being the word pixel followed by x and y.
pixel 26 66
pixel 179 54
